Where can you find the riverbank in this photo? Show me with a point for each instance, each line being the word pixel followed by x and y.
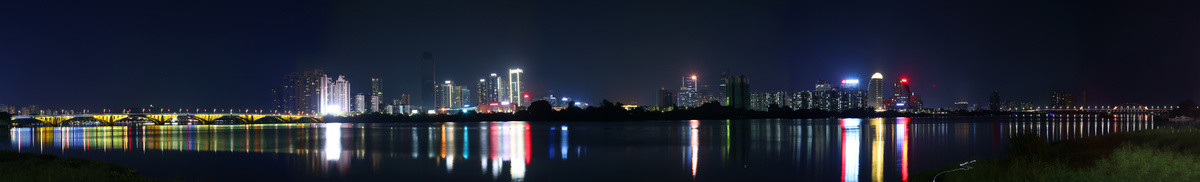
pixel 1169 154
pixel 16 166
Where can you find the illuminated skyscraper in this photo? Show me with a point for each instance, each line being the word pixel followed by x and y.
pixel 301 92
pixel 283 98
pixel 689 93
pixel 446 95
pixel 360 104
pixel 491 90
pixel 875 92
pixel 428 81
pixel 481 95
pixel 823 85
pixel 516 87
pixel 335 96
pixel 498 92
pixel 901 94
pixel 376 94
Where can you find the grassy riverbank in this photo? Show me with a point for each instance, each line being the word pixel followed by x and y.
pixel 40 167
pixel 1151 155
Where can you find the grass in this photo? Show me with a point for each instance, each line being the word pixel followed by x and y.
pixel 1151 155
pixel 16 166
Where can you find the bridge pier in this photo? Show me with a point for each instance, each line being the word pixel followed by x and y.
pixel 249 118
pixel 160 119
pixel 109 119
pixel 207 118
pixel 289 118
pixel 53 120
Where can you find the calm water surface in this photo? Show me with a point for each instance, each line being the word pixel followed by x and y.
pixel 875 149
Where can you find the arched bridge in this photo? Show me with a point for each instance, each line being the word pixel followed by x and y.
pixel 163 118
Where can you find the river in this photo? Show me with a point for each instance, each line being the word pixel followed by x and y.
pixel 848 149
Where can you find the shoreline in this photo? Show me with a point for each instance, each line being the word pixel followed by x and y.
pixel 1147 155
pixel 19 166
pixel 379 118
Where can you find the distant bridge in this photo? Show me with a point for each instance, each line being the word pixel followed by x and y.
pixel 163 118
pixel 1128 107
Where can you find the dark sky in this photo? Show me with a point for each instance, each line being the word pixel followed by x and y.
pixel 107 54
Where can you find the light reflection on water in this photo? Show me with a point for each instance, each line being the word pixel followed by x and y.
pixel 875 149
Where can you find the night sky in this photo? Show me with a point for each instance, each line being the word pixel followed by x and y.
pixel 107 54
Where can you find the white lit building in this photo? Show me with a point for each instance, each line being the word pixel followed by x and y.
pixel 516 87
pixel 335 96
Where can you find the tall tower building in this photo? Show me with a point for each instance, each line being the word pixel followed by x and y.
pixel 335 96
pixel 737 91
pixel 497 85
pixel 875 92
pixel 689 93
pixel 994 101
pixel 428 81
pixel 665 99
pixel 405 99
pixel 445 95
pixel 284 100
pixel 376 94
pixel 481 96
pixel 308 91
pixel 901 94
pixel 360 104
pixel 516 87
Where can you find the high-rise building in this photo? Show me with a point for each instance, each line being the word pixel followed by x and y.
pixel 360 103
pixel 962 105
pixel 300 92
pixel 516 87
pixel 8 109
pixel 375 103
pixel 335 96
pixel 404 99
pixel 850 84
pixel 994 101
pixel 665 98
pixel 762 101
pixel 463 98
pixel 450 96
pixel 901 94
pixel 283 95
pixel 737 91
pixel 689 93
pixel 428 81
pixel 847 99
pixel 479 94
pixel 823 85
pixel 1064 99
pixel 875 92
pixel 376 94
pixel 721 88
pixel 799 100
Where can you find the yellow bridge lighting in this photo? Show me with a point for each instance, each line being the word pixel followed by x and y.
pixel 289 118
pixel 160 119
pixel 109 119
pixel 207 118
pixel 53 120
pixel 250 117
pixel 317 118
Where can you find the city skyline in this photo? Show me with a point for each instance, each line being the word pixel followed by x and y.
pixel 1024 56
